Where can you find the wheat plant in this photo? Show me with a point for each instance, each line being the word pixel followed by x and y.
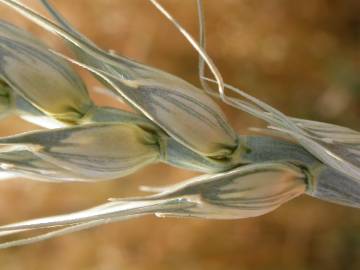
pixel 173 122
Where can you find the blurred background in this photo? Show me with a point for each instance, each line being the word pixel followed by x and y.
pixel 302 57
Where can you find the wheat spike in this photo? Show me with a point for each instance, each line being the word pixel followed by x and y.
pixel 175 123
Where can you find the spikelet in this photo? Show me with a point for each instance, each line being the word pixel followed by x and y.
pixel 243 192
pixel 101 151
pixel 40 77
pixel 163 98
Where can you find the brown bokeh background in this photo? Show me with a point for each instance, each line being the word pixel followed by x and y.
pixel 300 56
